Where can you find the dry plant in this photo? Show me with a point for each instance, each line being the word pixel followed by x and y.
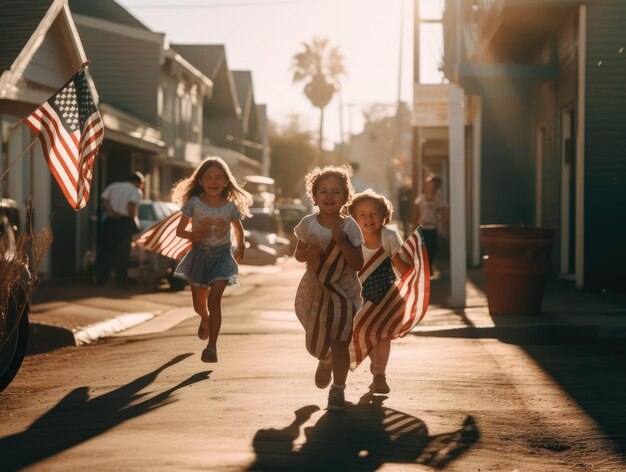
pixel 20 257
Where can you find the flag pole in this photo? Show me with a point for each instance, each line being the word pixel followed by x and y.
pixel 17 158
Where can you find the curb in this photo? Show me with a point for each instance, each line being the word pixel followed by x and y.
pixel 45 337
pixel 103 329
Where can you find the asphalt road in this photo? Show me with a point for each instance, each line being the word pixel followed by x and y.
pixel 145 401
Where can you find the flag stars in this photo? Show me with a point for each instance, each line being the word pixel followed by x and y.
pixel 74 103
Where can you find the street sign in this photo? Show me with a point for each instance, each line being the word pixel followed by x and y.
pixel 430 105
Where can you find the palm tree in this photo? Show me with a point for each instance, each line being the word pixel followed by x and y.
pixel 320 67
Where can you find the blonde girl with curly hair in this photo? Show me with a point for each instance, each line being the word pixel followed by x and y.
pixel 329 294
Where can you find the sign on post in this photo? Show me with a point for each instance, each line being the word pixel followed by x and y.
pixel 430 105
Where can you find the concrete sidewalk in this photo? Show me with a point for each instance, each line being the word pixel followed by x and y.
pixel 81 313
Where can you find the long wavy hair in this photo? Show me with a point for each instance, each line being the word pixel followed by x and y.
pixel 190 187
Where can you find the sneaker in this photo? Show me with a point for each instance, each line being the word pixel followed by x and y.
pixel 336 400
pixel 379 385
pixel 209 354
pixel 323 373
pixel 203 329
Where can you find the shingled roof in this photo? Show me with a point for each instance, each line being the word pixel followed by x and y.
pixel 107 10
pixel 18 21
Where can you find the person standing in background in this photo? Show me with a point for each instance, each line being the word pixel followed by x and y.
pixel 432 213
pixel 121 203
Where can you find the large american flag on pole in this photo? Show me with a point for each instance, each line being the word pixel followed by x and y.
pixel 70 130
pixel 400 309
pixel 161 238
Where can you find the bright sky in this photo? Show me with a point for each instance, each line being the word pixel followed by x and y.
pixel 263 35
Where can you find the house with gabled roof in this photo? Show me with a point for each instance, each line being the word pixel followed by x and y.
pixel 40 49
pixel 249 119
pixel 139 75
pixel 223 117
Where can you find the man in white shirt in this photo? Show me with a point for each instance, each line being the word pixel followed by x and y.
pixel 121 201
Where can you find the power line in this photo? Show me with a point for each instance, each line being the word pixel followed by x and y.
pixel 218 5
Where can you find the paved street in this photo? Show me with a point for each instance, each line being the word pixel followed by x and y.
pixel 142 400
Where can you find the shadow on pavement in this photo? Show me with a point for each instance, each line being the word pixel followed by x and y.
pixel 364 437
pixel 78 418
pixel 586 360
pixel 593 376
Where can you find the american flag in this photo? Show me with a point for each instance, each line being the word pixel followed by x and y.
pixel 70 130
pixel 403 306
pixel 331 313
pixel 162 238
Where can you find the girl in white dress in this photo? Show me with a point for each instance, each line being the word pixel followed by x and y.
pixel 329 294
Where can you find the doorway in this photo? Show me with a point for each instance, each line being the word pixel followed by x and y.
pixel 568 194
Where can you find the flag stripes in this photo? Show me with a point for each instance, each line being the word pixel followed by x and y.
pixel 402 307
pixel 71 131
pixel 332 311
pixel 161 237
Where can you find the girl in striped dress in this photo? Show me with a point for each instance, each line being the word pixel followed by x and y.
pixel 329 294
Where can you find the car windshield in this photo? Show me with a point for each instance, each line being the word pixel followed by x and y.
pixel 146 212
pixel 156 211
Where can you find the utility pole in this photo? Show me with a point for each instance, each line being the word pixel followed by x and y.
pixel 416 151
pixel 393 180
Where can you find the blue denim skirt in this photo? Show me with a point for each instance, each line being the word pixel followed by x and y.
pixel 203 265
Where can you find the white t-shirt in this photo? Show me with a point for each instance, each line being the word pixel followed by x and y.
pixel 390 240
pixel 119 194
pixel 430 210
pixel 312 233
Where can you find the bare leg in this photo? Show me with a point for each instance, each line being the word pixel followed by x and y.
pixel 341 361
pixel 380 357
pixel 215 310
pixel 199 295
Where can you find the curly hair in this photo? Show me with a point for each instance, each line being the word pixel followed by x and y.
pixel 189 187
pixel 386 207
pixel 343 173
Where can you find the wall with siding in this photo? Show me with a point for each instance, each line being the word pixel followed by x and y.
pixel 125 70
pixel 605 145
pixel 507 194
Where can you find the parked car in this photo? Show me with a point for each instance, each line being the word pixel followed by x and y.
pixel 13 318
pixel 148 265
pixel 290 216
pixel 152 211
pixel 266 229
pixel 262 190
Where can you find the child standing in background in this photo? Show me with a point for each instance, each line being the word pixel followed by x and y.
pixel 329 294
pixel 372 212
pixel 214 202
pixel 431 211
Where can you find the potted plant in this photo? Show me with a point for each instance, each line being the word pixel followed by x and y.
pixel 515 267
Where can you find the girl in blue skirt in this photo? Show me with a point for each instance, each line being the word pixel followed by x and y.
pixel 214 203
